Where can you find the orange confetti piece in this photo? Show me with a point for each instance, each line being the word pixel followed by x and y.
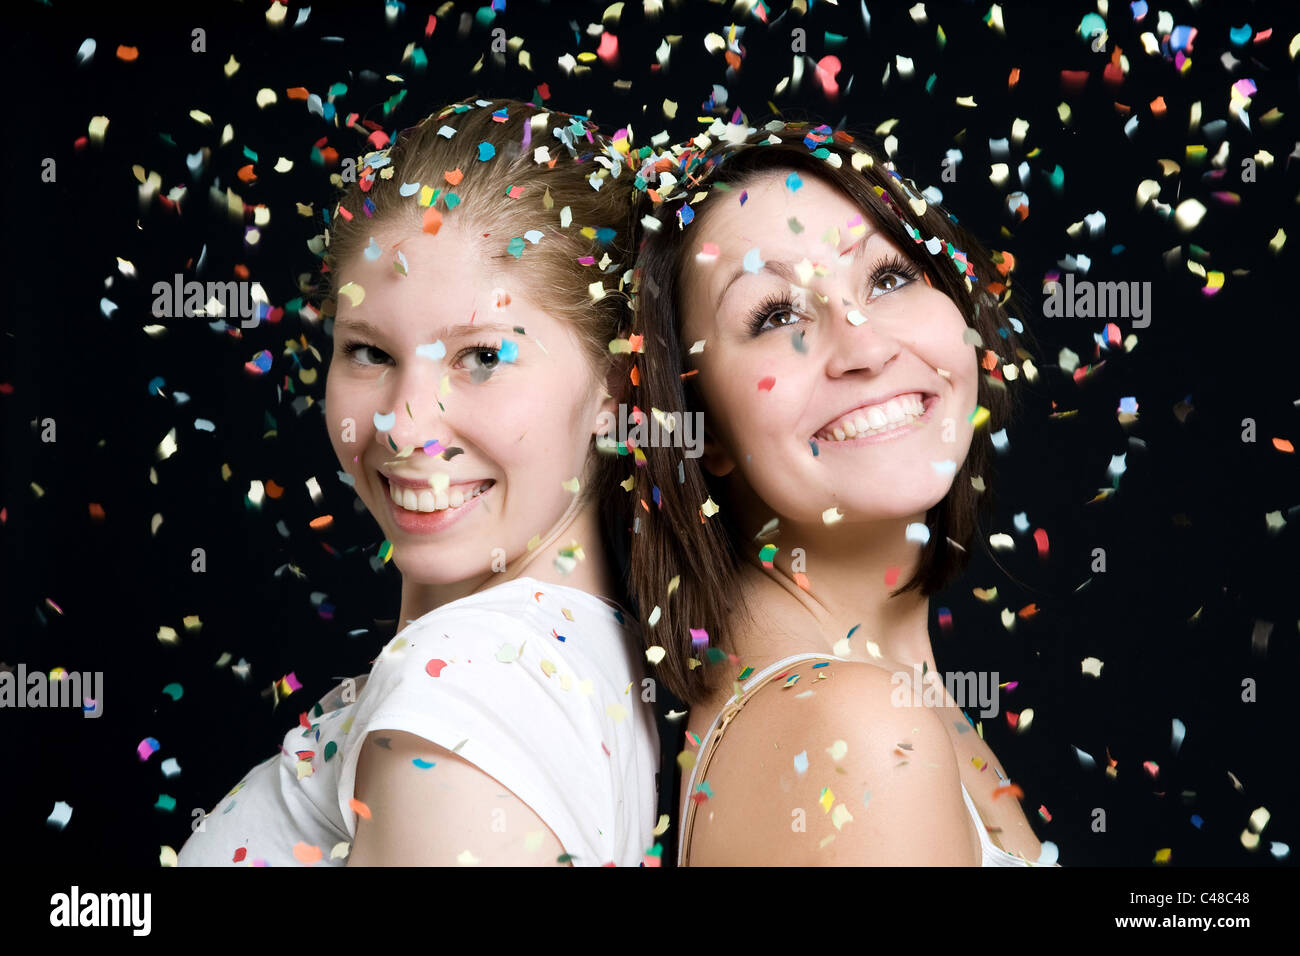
pixel 96 511
pixel 1010 788
pixel 321 523
pixel 432 221
pixel 635 375
pixel 297 93
pixel 1281 444
pixel 801 579
pixel 454 176
pixel 273 490
pixel 1158 106
pixel 1028 611
pixel 307 854
pixel 128 54
pixel 359 808
pixel 1013 78
pixel 246 174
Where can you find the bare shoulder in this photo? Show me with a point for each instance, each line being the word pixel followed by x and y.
pixel 832 771
pixel 428 807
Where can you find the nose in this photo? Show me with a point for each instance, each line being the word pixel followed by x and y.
pixel 412 401
pixel 860 344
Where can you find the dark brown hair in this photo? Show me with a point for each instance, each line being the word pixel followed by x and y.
pixel 476 164
pixel 671 535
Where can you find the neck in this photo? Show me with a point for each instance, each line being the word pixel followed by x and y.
pixel 580 523
pixel 845 571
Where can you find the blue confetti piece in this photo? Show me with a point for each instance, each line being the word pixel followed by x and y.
pixel 509 350
pixel 155 384
pixel 793 182
pixel 423 764
pixel 385 422
pixel 486 151
pixel 686 215
pixel 813 443
pixel 801 762
pixel 373 251
pixel 753 261
pixel 434 351
pixel 515 247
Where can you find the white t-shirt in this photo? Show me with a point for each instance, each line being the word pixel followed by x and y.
pixel 539 686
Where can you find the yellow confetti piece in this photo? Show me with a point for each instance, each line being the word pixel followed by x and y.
pixel 826 799
pixel 466 858
pixel 616 711
pixel 655 654
pixel 840 816
pixel 662 826
pixel 533 840
pixel 831 515
pixel 1091 666
pixel 167 857
pixel 167 635
pixel 547 668
pixel 1259 819
pixel 570 486
pixel 1162 855
pixel 340 850
pixel 838 749
pixel 709 508
pixel 355 293
pixel 686 761
pixel 672 585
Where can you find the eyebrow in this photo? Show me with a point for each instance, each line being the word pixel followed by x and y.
pixel 785 270
pixel 363 327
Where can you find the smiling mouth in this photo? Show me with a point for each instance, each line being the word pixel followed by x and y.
pixel 427 500
pixel 898 412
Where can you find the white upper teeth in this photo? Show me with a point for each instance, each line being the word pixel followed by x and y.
pixel 895 413
pixel 431 500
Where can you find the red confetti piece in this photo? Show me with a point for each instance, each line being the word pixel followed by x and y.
pixel 434 667
pixel 766 384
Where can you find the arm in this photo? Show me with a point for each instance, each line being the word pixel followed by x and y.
pixel 433 817
pixel 765 812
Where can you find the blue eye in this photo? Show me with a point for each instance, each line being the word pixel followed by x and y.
pixel 486 358
pixel 353 349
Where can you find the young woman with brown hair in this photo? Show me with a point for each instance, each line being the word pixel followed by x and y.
pixel 850 349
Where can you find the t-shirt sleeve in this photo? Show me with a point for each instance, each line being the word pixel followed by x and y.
pixel 505 695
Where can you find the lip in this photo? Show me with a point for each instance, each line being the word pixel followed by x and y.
pixel 429 522
pixel 928 399
pixel 925 394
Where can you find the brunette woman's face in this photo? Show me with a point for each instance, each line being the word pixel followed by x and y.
pixel 805 349
pixel 450 387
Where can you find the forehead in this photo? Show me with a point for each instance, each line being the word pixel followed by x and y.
pixel 772 198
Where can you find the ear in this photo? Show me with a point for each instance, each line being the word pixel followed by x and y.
pixel 716 459
pixel 614 390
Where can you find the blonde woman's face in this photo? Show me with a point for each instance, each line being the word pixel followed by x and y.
pixel 450 386
pixel 797 399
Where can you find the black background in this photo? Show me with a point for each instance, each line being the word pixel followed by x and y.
pixel 1190 565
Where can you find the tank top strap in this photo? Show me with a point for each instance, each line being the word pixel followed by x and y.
pixel 713 736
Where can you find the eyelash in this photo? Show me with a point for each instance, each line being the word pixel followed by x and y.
pixel 350 348
pixel 779 302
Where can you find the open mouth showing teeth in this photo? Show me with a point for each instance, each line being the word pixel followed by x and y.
pixel 430 500
pixel 877 419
